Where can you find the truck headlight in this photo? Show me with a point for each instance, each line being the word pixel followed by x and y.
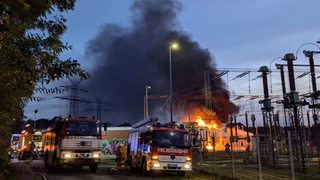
pixel 187 166
pixel 96 155
pixel 156 165
pixel 67 155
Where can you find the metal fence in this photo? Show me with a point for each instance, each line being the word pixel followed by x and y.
pixel 243 165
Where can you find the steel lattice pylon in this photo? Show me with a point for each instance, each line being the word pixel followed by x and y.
pixel 74 96
pixel 207 84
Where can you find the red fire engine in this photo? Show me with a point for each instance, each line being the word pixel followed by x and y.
pixel 155 147
pixel 29 145
pixel 73 142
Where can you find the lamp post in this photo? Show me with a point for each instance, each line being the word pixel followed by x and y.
pixel 146 114
pixel 171 46
pixel 35 118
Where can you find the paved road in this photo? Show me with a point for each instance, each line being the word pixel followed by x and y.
pixel 104 172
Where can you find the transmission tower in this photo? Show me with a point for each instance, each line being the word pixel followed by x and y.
pixel 73 108
pixel 98 109
pixel 208 96
pixel 74 98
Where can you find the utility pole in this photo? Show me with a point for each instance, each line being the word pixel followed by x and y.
pixel 35 119
pixel 315 93
pixel 314 96
pixel 284 95
pixel 146 104
pixel 294 103
pixel 267 110
pixel 208 95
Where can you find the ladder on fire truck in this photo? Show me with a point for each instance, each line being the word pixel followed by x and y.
pixel 147 121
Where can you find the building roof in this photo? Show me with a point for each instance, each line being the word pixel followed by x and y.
pixel 116 133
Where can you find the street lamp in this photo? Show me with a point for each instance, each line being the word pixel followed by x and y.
pixel 146 114
pixel 171 46
pixel 35 119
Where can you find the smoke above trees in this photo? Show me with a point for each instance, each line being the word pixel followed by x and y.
pixel 129 58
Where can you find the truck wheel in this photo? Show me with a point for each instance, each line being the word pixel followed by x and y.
pixel 46 159
pixel 129 162
pixel 93 168
pixel 144 170
pixel 133 167
pixel 55 163
pixel 181 173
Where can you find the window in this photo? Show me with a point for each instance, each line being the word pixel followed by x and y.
pixel 85 128
pixel 171 139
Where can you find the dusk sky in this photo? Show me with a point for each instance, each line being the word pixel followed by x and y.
pixel 237 34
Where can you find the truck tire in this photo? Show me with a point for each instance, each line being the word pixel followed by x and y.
pixel 144 170
pixel 55 163
pixel 93 167
pixel 46 159
pixel 129 162
pixel 133 167
pixel 181 173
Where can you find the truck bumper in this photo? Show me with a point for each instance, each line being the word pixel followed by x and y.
pixel 80 162
pixel 170 166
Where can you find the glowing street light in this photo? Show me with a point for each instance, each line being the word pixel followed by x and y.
pixel 171 46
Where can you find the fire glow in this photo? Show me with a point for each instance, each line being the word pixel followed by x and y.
pixel 200 122
pixel 211 134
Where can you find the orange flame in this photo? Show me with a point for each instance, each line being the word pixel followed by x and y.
pixel 200 122
pixel 209 130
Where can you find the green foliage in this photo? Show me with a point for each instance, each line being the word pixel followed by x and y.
pixel 30 46
pixel 44 90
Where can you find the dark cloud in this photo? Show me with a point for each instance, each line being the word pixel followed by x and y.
pixel 128 59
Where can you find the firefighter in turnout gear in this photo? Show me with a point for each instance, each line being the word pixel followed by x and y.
pixel 227 150
pixel 120 155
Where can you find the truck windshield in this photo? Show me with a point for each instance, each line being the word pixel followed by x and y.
pixel 171 139
pixel 82 128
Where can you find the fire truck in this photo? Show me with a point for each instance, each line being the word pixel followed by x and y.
pixel 73 142
pixel 30 145
pixel 156 147
pixel 14 146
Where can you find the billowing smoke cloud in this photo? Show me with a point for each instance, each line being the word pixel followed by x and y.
pixel 128 59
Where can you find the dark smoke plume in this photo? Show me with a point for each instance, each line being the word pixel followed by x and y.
pixel 128 59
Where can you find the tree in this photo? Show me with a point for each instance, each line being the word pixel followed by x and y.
pixel 30 46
